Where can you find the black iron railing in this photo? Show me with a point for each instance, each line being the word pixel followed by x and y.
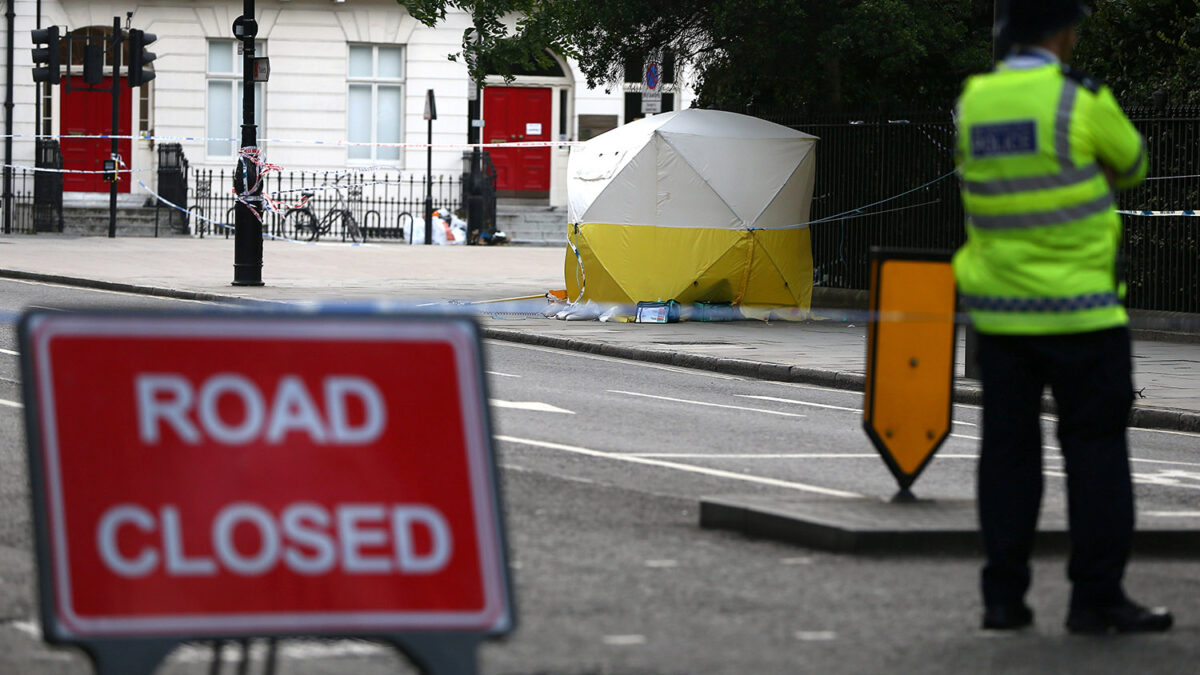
pixel 23 203
pixel 862 160
pixel 381 203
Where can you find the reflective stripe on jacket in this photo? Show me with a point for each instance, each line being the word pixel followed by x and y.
pixel 1034 140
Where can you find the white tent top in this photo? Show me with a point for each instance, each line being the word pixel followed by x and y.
pixel 693 168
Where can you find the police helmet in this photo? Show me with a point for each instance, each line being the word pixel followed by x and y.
pixel 1025 22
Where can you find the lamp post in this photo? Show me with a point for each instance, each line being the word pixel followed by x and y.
pixel 430 116
pixel 247 238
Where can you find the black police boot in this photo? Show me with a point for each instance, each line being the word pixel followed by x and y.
pixel 1125 617
pixel 1007 617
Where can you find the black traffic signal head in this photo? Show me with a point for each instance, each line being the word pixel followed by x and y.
pixel 46 60
pixel 93 64
pixel 139 58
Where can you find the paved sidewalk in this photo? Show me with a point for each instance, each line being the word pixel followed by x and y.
pixel 828 351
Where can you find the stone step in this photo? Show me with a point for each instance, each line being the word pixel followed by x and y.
pixel 124 229
pixel 533 225
pixel 131 222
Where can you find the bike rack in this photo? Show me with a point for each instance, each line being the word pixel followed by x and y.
pixel 370 216
pixel 400 226
pixel 200 223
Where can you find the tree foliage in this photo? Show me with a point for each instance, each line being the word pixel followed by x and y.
pixel 1140 47
pixel 765 55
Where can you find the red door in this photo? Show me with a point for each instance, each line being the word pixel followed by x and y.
pixel 515 114
pixel 89 113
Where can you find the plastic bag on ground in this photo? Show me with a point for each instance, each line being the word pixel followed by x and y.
pixel 444 232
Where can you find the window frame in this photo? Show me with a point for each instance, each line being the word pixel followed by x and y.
pixel 375 81
pixel 234 76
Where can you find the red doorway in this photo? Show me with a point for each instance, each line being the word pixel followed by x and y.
pixel 89 113
pixel 516 114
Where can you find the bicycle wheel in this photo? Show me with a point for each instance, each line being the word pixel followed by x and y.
pixel 302 223
pixel 351 230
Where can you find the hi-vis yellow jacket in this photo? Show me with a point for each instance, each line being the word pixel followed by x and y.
pixel 1034 141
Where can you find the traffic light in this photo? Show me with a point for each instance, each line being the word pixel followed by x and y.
pixel 46 60
pixel 139 58
pixel 93 64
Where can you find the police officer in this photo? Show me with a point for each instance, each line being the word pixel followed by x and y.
pixel 1040 149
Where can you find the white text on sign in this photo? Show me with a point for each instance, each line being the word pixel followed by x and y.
pixel 306 538
pixel 169 400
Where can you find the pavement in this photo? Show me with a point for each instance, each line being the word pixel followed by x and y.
pixel 829 350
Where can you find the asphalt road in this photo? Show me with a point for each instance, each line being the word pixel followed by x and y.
pixel 603 462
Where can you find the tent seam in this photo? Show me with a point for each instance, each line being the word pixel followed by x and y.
pixel 682 156
pixel 780 190
pixel 765 250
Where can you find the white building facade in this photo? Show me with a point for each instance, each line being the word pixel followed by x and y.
pixel 340 70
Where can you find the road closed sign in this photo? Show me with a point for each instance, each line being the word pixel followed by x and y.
pixel 232 475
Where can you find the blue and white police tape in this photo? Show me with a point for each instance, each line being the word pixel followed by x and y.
pixel 1164 214
pixel 266 235
pixel 299 141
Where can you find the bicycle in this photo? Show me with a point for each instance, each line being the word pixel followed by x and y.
pixel 306 225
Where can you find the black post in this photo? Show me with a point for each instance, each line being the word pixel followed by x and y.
pixel 37 86
pixel 8 124
pixel 429 176
pixel 247 235
pixel 475 182
pixel 117 38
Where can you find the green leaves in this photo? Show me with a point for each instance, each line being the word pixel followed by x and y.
pixel 1140 47
pixel 762 55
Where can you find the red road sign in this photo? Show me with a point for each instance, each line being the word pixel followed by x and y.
pixel 230 475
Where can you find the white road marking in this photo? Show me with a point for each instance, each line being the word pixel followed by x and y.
pixel 530 405
pixel 11 404
pixel 815 635
pixel 298 650
pixel 33 630
pixel 1191 434
pixel 765 455
pixel 814 387
pixel 1171 514
pixel 794 401
pixel 492 372
pixel 825 405
pixel 624 640
pixel 662 563
pixel 780 455
pixel 717 473
pixel 806 560
pixel 1163 461
pixel 9 352
pixel 33 282
pixel 1170 478
pixel 793 385
pixel 291 649
pixel 612 359
pixel 705 403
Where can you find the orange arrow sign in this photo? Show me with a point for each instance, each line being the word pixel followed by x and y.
pixel 910 359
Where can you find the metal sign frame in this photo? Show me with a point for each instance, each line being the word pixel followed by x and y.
pixel 140 649
pixel 905 479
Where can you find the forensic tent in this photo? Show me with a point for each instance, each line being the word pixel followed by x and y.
pixel 693 206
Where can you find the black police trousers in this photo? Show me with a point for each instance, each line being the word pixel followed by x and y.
pixel 1090 376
